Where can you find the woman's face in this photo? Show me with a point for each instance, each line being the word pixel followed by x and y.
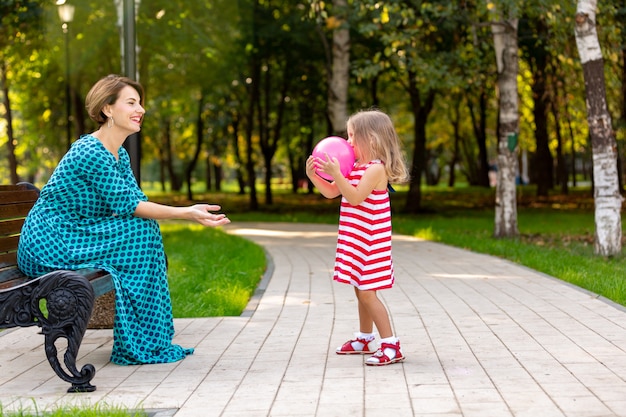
pixel 127 112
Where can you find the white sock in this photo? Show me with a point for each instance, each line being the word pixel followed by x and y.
pixel 366 336
pixel 391 353
pixel 391 340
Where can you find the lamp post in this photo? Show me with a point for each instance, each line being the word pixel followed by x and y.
pixel 66 14
pixel 126 12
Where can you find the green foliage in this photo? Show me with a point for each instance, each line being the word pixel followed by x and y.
pixel 196 60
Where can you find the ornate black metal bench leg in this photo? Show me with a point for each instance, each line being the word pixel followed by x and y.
pixel 69 300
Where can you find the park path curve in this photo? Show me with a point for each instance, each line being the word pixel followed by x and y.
pixel 483 337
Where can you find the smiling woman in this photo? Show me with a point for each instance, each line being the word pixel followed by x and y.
pixel 92 214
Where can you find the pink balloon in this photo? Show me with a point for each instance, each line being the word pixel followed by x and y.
pixel 335 147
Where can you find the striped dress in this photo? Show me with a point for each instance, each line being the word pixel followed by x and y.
pixel 363 256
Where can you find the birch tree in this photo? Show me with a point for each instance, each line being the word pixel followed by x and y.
pixel 337 58
pixel 504 29
pixel 607 199
pixel 340 73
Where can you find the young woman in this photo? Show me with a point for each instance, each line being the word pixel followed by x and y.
pixel 92 214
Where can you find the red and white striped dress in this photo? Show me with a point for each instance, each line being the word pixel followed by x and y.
pixel 363 256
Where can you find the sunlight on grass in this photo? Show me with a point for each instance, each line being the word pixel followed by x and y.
pixel 211 273
pixel 556 232
pixel 426 234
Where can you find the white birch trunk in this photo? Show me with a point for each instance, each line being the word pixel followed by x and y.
pixel 506 49
pixel 339 80
pixel 607 198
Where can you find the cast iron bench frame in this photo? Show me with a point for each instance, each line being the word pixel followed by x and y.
pixel 60 302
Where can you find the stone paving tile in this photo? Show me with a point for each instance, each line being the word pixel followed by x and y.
pixel 482 336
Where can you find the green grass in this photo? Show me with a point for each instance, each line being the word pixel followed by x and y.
pixel 556 232
pixel 93 410
pixel 555 243
pixel 211 273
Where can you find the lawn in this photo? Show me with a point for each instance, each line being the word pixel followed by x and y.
pixel 556 232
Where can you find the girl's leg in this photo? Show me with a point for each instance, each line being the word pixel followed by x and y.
pixel 364 341
pixel 389 351
pixel 366 322
pixel 371 309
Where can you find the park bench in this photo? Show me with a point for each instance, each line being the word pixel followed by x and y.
pixel 60 302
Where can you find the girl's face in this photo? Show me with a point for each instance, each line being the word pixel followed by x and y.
pixel 353 143
pixel 127 112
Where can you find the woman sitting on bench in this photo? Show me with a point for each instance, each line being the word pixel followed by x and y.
pixel 92 214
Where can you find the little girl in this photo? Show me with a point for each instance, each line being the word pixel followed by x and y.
pixel 363 256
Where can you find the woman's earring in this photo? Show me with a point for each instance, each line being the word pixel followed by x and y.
pixel 110 122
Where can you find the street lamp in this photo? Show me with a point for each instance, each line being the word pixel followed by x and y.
pixel 66 14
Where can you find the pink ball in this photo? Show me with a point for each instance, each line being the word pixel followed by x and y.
pixel 335 147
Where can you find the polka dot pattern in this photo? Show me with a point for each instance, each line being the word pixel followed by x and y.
pixel 84 219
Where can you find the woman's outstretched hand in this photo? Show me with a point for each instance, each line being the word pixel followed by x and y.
pixel 201 213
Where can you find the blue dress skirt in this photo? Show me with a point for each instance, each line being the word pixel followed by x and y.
pixel 84 219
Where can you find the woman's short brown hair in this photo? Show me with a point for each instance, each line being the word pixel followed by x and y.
pixel 107 91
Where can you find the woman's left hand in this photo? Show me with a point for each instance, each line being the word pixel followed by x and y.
pixel 201 213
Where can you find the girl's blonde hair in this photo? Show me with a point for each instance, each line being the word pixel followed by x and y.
pixel 374 130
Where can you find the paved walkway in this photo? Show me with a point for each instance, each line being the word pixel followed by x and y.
pixel 483 337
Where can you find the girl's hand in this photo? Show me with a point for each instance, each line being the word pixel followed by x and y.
pixel 330 166
pixel 311 165
pixel 201 213
pixel 328 190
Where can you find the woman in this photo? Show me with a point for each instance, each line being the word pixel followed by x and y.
pixel 92 214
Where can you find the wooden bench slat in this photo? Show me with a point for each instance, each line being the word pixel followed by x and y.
pixel 14 211
pixel 11 277
pixel 14 283
pixel 8 259
pixel 8 244
pixel 18 196
pixel 13 187
pixel 100 280
pixel 11 227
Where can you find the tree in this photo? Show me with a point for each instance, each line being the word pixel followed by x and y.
pixel 607 199
pixel 19 20
pixel 505 44
pixel 339 67
pixel 533 43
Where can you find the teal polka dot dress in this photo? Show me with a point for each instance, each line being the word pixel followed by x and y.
pixel 84 219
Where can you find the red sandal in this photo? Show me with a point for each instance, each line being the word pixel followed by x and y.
pixel 348 347
pixel 380 358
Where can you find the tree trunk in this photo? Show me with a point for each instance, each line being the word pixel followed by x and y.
pixel 506 47
pixel 9 118
pixel 607 199
pixel 538 59
pixel 479 126
pixel 420 115
pixel 208 174
pixel 340 72
pixel 623 116
pixel 555 105
pixel 455 120
pixel 175 183
pixel 196 155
